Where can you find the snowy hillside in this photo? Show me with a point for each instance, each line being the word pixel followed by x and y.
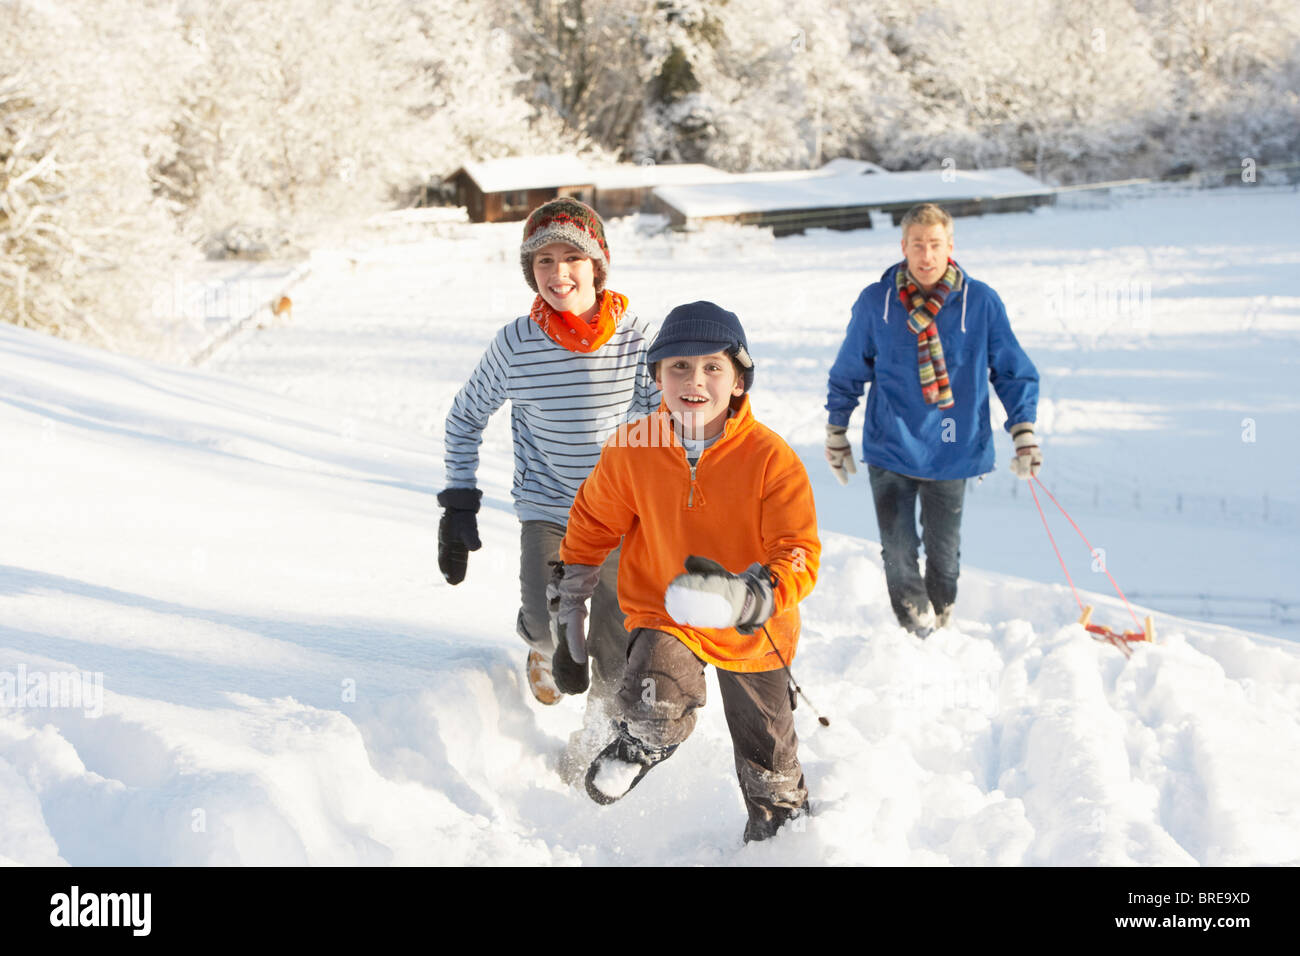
pixel 249 568
pixel 1164 435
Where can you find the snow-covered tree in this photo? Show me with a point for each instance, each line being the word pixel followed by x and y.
pixel 82 116
pixel 1061 85
pixel 474 104
pixel 304 114
pixel 768 83
pixel 133 131
pixel 586 62
pixel 292 111
pixel 1233 70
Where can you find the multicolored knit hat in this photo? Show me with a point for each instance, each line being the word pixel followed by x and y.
pixel 565 220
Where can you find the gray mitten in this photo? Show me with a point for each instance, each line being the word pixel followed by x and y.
pixel 839 453
pixel 708 595
pixel 1029 457
pixel 567 593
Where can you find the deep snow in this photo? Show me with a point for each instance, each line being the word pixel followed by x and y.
pixel 246 555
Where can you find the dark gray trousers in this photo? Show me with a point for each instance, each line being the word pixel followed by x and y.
pixel 664 686
pixel 539 544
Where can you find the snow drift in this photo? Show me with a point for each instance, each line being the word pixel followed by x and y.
pixel 276 673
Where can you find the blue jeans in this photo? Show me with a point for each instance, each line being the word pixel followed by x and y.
pixel 941 501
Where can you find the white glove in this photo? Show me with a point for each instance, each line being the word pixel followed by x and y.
pixel 1028 457
pixel 708 595
pixel 840 453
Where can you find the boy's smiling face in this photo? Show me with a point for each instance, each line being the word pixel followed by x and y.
pixel 698 390
pixel 566 278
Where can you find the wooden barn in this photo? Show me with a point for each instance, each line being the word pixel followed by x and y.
pixel 625 189
pixel 505 190
pixel 843 194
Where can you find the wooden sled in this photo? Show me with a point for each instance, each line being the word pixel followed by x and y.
pixel 1120 639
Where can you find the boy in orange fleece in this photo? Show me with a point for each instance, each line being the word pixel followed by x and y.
pixel 719 535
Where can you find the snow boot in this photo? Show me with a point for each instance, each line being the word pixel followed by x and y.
pixel 757 830
pixel 621 765
pixel 919 623
pixel 586 742
pixel 540 680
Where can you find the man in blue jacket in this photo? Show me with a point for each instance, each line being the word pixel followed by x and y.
pixel 928 339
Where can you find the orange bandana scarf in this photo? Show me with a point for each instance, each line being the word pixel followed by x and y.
pixel 572 332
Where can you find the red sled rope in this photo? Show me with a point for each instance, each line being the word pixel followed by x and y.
pixel 1099 632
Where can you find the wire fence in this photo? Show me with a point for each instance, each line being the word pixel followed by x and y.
pixel 1246 510
pixel 252 308
pixel 1221 606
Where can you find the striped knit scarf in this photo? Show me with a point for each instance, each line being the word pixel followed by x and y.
pixel 571 331
pixel 921 310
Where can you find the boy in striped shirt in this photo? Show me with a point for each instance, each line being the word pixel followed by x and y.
pixel 573 369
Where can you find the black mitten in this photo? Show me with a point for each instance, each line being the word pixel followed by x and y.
pixel 570 676
pixel 570 587
pixel 457 531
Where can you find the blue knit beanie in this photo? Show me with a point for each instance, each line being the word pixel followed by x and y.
pixel 702 328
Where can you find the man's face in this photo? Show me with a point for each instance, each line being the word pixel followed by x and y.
pixel 927 249
pixel 698 390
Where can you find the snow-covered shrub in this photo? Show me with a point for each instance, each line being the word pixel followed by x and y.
pixel 305 115
pixel 82 243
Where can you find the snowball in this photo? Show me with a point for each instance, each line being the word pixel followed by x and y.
pixel 701 608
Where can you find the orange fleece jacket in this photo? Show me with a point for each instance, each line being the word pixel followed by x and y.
pixel 747 499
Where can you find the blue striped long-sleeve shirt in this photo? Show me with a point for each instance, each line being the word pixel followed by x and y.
pixel 563 405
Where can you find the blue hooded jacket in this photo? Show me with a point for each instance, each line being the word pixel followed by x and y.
pixel 902 433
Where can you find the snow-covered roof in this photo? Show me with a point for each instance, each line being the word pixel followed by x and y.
pixel 817 190
pixel 851 167
pixel 528 172
pixel 539 172
pixel 700 191
pixel 629 176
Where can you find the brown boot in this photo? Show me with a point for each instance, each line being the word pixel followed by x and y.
pixel 540 681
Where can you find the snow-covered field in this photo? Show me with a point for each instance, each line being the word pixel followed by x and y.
pixel 240 560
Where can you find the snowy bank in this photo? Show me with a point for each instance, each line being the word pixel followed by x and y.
pixel 285 679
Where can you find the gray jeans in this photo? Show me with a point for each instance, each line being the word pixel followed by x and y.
pixel 539 544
